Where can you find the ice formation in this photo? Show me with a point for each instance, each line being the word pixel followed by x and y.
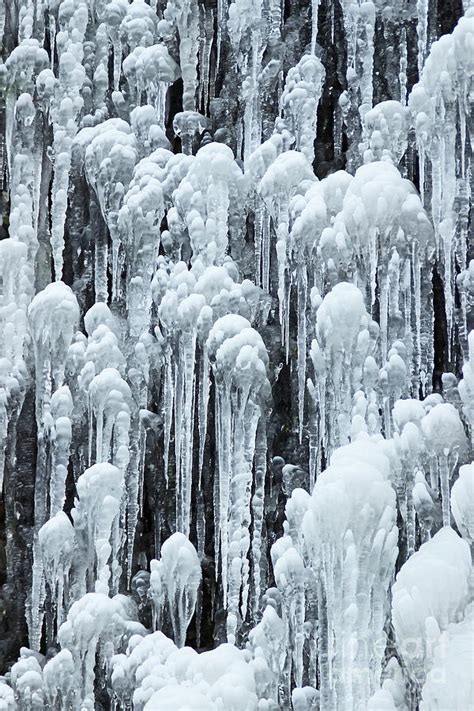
pixel 431 592
pixel 176 578
pixel 236 355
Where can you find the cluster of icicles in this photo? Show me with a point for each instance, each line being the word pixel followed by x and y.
pixel 173 316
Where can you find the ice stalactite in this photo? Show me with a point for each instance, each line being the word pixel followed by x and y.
pixel 94 628
pixel 66 106
pixel 411 452
pixel 96 526
pixel 60 669
pixel 314 23
pixel 23 146
pixel 206 66
pixel 412 489
pixel 139 219
pixel 188 313
pixel 462 502
pixel 287 175
pixel 266 640
pixel 25 63
pixel 350 538
pixel 385 132
pixel 188 126
pixel 137 243
pixel 207 200
pixel 422 7
pixel 151 70
pixel 441 104
pixel 392 220
pixel 258 513
pixel 231 676
pixel 311 217
pixel 184 15
pixel 27 681
pixel 188 302
pixel 359 23
pixel 61 435
pixel 132 665
pixel 239 360
pixel 56 542
pixel 446 447
pixel 13 259
pixel 289 574
pixel 244 24
pixel 466 386
pixel 175 580
pixel 109 161
pixel 299 102
pixel 138 26
pixel 345 339
pixel 430 592
pixel 452 659
pixel 53 315
pixel 95 365
pixel 109 409
pixel 202 205
pixel 425 503
pixel 256 166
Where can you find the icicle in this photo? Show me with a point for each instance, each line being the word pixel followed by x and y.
pixel 185 14
pixel 240 373
pixel 180 574
pixel 462 502
pixel 446 443
pixel 422 32
pixel 302 286
pixel 56 541
pixel 435 104
pixel 26 680
pixel 100 491
pixel 314 23
pixel 152 70
pixel 345 559
pixel 61 410
pixel 96 624
pixel 367 18
pixel 189 351
pixel 258 511
pixel 66 107
pixel 279 184
pixel 433 583
pixel 402 75
pixel 466 386
pixel 158 220
pixel 341 340
pixel 109 396
pixel 410 442
pixel 53 315
pixel 299 102
pixel 289 575
pixel 203 390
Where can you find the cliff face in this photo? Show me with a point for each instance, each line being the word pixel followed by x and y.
pixel 236 380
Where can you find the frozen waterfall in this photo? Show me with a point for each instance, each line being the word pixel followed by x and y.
pixel 236 355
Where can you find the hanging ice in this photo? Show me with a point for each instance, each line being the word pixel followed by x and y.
pixel 173 174
pixel 239 361
pixel 431 591
pixel 176 578
pixel 350 538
